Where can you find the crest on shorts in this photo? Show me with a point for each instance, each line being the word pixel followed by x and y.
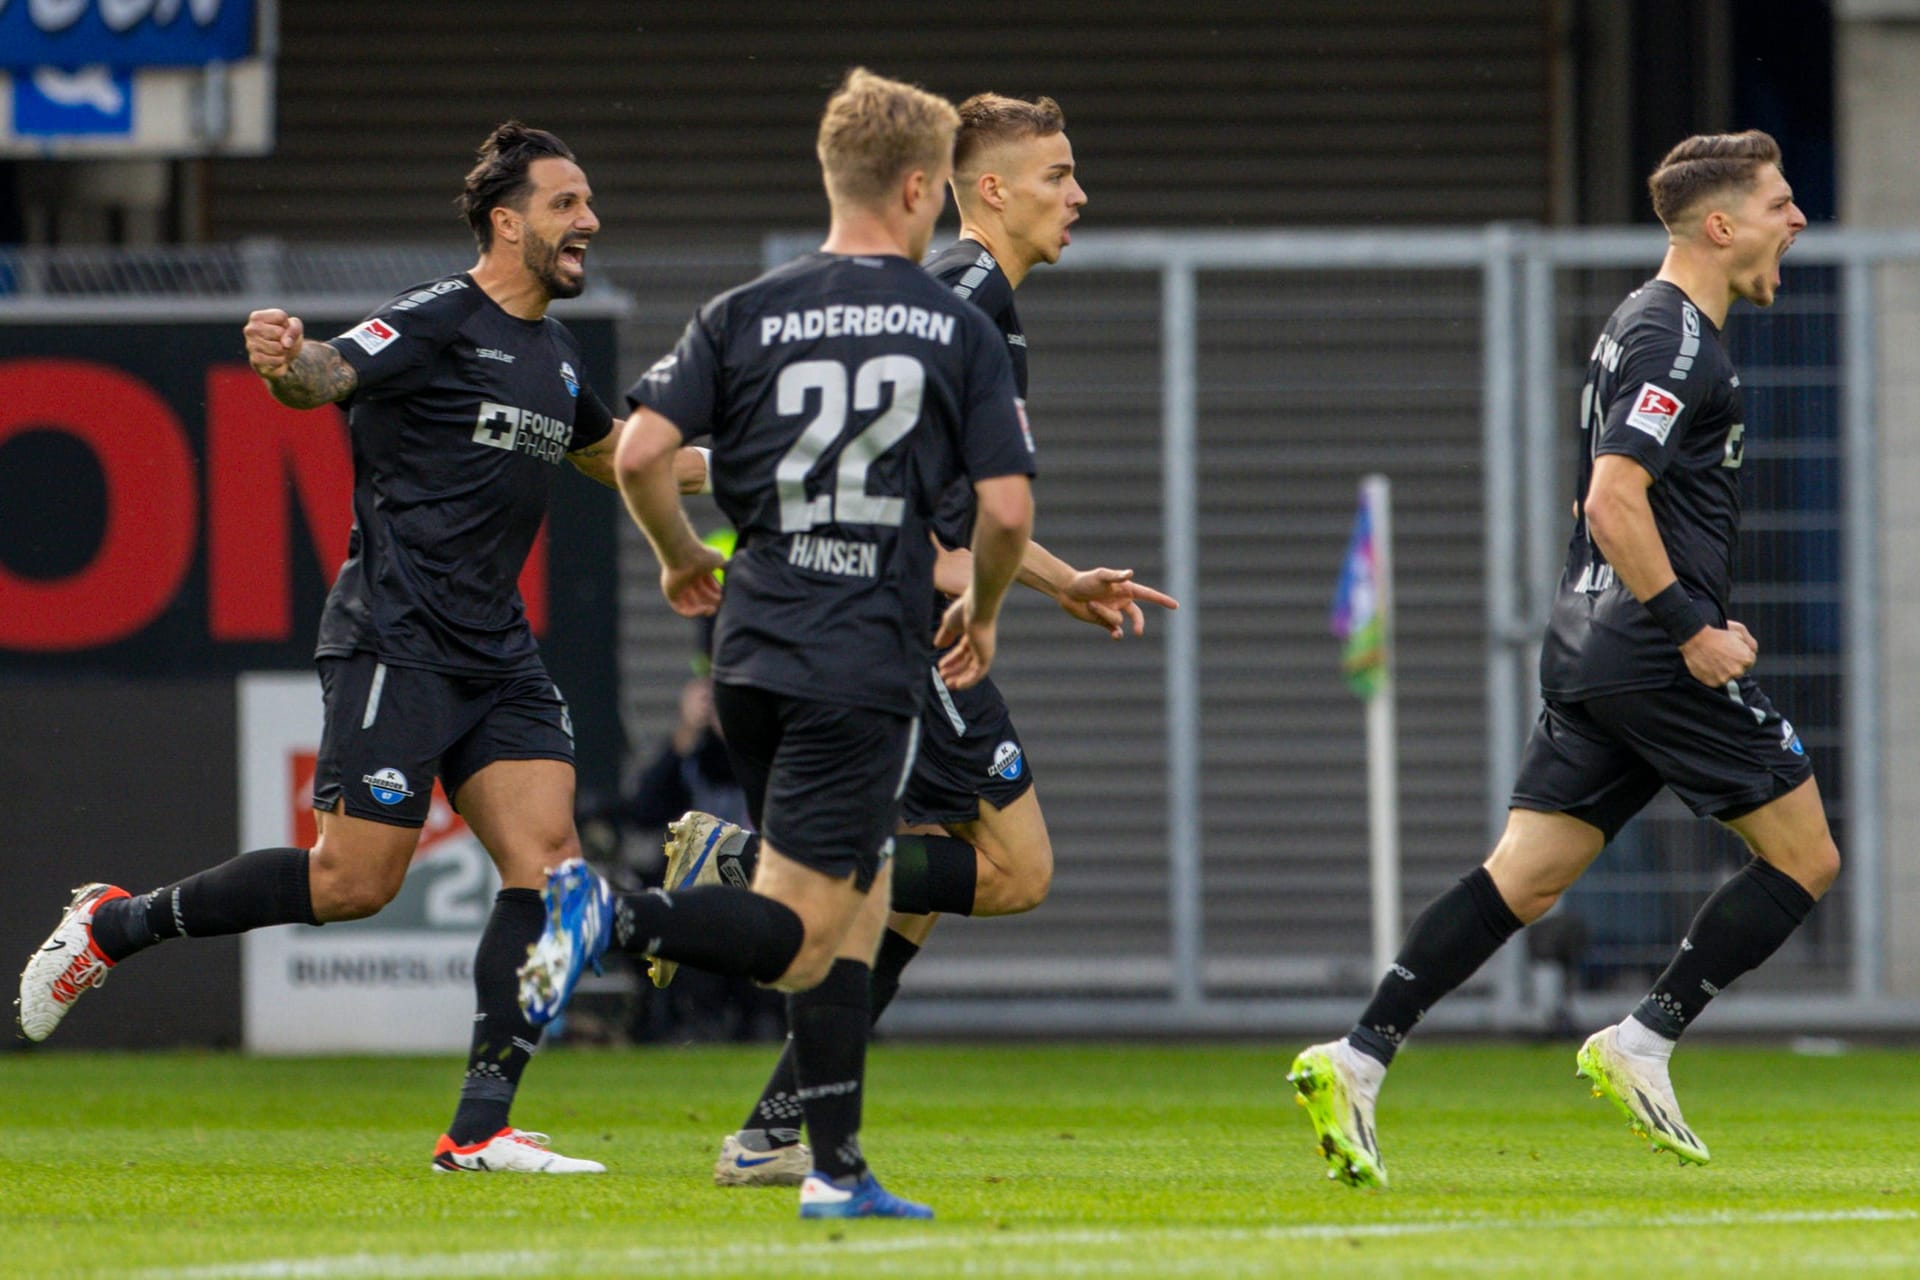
pixel 389 786
pixel 1007 761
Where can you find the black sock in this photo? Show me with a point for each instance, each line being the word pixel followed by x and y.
pixel 1743 923
pixel 934 873
pixel 256 889
pixel 503 1039
pixel 728 931
pixel 1452 938
pixel 896 953
pixel 829 1040
pixel 930 873
pixel 776 1116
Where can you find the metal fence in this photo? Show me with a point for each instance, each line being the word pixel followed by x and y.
pixel 1520 331
pixel 1204 403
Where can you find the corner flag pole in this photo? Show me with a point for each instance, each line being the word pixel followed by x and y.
pixel 1383 762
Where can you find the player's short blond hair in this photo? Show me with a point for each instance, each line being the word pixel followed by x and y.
pixel 876 130
pixel 989 119
pixel 1708 164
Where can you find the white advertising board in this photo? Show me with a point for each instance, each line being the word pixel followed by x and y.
pixel 399 982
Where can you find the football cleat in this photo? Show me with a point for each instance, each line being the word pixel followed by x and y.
pixel 65 966
pixel 508 1151
pixel 819 1198
pixel 693 858
pixel 579 923
pixel 1339 1100
pixel 740 1166
pixel 1639 1087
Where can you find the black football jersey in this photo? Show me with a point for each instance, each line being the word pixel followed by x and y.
pixel 972 273
pixel 843 394
pixel 460 415
pixel 1659 390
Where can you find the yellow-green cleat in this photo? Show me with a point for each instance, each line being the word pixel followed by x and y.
pixel 1639 1087
pixel 1339 1100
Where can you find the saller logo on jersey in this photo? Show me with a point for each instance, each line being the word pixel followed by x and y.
pixel 1655 410
pixel 374 336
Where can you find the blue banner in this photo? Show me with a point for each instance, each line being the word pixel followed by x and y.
pixel 125 33
pixel 96 101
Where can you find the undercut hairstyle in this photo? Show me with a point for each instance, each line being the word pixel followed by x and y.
pixel 1705 165
pixel 876 130
pixel 989 119
pixel 500 175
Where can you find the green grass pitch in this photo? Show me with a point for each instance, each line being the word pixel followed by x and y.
pixel 1085 1160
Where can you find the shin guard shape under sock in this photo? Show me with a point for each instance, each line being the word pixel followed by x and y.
pixel 1451 939
pixel 1743 923
pixel 503 1039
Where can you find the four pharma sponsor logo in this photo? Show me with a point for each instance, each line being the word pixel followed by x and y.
pixel 389 786
pixel 1007 761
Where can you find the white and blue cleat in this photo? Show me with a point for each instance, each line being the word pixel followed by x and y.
pixel 820 1198
pixel 579 923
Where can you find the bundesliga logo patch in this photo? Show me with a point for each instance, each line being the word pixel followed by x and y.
pixel 389 786
pixel 1655 410
pixel 373 336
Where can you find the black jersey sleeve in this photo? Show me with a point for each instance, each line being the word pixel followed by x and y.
pixel 394 348
pixel 1650 409
pixel 683 386
pixel 592 421
pixel 995 440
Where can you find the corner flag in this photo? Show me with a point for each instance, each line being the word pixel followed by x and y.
pixel 1358 620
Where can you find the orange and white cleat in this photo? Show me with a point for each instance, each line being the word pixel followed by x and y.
pixel 508 1151
pixel 65 966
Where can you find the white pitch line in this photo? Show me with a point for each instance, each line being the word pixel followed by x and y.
pixel 523 1262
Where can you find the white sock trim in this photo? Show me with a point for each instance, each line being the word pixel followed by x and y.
pixel 1637 1038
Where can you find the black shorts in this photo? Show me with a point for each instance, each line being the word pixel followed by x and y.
pixel 823 781
pixel 391 730
pixel 1724 751
pixel 969 752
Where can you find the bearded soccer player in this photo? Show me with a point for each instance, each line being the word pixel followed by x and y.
pixel 462 396
pixel 844 393
pixel 974 841
pixel 1645 678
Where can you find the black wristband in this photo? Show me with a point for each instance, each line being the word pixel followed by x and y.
pixel 1676 613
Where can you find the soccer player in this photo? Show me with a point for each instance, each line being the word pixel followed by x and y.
pixel 462 396
pixel 974 841
pixel 1644 676
pixel 844 392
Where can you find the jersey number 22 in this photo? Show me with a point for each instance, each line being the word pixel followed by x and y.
pixel 849 502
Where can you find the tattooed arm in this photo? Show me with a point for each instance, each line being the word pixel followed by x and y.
pixel 300 374
pixel 595 462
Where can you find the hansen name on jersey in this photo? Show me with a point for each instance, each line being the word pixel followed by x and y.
pixel 458 418
pixel 1659 390
pixel 843 394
